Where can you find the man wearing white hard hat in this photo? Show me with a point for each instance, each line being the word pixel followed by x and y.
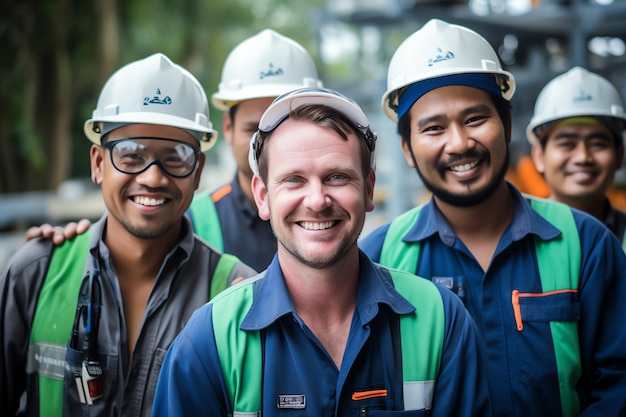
pixel 256 71
pixel 324 331
pixel 85 325
pixel 577 138
pixel 544 283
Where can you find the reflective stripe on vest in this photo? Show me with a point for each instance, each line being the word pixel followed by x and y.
pixel 560 275
pixel 240 352
pixel 52 323
pixel 55 311
pixel 206 222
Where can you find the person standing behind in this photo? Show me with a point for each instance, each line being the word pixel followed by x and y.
pixel 85 325
pixel 324 331
pixel 544 283
pixel 256 71
pixel 577 138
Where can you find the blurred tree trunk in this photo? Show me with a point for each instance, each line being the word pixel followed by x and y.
pixel 108 39
pixel 60 118
pixel 55 56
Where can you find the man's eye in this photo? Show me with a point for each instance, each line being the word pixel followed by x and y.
pixel 600 144
pixel 132 157
pixel 432 129
pixel 475 119
pixel 566 144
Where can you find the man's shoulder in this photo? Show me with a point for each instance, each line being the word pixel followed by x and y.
pixel 35 251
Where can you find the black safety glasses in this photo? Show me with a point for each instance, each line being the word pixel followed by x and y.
pixel 176 158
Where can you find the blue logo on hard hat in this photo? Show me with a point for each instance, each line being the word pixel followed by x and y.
pixel 440 57
pixel 156 99
pixel 271 72
pixel 583 97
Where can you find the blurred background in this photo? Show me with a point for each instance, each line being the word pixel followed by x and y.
pixel 55 55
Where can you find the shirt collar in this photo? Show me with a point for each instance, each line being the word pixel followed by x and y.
pixel 525 221
pixel 184 247
pixel 271 298
pixel 251 214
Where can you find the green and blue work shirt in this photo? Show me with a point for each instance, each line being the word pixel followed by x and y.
pixel 521 365
pixel 300 378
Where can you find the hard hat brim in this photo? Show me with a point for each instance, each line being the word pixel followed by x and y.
pixel 148 118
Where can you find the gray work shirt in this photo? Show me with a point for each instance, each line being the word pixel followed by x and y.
pixel 129 378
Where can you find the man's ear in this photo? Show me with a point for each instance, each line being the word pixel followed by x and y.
pixel 407 153
pixel 370 181
pixel 228 128
pixel 96 156
pixel 259 190
pixel 537 154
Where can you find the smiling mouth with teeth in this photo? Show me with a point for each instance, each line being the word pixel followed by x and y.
pixel 463 167
pixel 145 201
pixel 317 226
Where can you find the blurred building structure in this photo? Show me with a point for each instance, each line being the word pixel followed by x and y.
pixel 535 39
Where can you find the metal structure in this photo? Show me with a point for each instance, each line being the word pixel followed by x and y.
pixel 535 39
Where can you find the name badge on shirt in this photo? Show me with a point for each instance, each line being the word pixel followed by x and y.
pixel 447 282
pixel 454 284
pixel 297 401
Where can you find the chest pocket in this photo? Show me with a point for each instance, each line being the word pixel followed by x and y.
pixel 552 306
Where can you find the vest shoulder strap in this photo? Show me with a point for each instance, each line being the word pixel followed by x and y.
pixel 240 352
pixel 396 253
pixel 221 275
pixel 422 337
pixel 559 261
pixel 52 323
pixel 205 220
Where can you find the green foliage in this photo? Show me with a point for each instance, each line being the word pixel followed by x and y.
pixel 48 41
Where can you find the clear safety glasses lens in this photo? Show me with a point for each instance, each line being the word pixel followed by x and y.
pixel 176 158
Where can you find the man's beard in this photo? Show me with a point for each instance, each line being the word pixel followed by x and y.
pixel 467 200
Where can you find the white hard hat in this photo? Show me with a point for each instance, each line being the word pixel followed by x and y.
pixel 577 92
pixel 153 90
pixel 281 107
pixel 440 49
pixel 265 65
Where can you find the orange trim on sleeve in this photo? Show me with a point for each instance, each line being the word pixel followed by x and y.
pixel 364 395
pixel 221 192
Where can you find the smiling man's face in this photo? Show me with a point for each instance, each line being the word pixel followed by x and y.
pixel 459 144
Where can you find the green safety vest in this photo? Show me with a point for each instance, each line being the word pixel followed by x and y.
pixel 558 261
pixel 206 222
pixel 50 332
pixel 240 352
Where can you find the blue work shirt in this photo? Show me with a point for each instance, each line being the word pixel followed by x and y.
pixel 521 366
pixel 244 233
pixel 191 382
pixel 615 220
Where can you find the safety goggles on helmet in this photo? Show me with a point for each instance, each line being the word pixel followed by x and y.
pixel 280 108
pixel 176 158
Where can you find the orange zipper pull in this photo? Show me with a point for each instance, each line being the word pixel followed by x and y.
pixel 517 311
